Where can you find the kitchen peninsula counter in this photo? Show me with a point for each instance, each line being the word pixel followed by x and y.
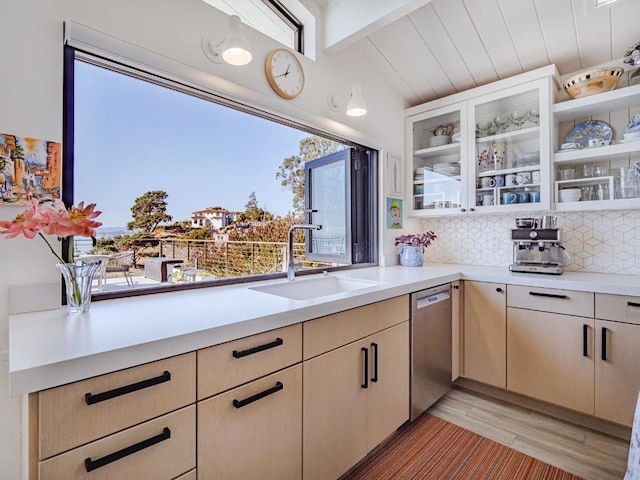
pixel 51 348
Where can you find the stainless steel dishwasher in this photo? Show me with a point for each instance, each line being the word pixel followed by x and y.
pixel 430 347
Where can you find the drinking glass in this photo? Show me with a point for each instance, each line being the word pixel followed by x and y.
pixel 534 116
pixel 518 117
pixel 502 121
pixel 483 127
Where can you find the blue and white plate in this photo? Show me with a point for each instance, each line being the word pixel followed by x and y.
pixel 582 132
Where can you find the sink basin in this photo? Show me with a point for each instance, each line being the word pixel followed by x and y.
pixel 316 287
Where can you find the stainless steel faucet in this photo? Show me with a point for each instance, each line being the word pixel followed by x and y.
pixel 291 265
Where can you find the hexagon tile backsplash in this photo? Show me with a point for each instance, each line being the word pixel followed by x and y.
pixel 596 241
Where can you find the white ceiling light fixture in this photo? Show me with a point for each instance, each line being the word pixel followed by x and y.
pixel 356 106
pixel 234 49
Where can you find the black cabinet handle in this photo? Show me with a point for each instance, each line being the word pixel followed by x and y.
pixel 260 348
pixel 456 287
pixel 633 304
pixel 463 210
pixel 604 344
pixel 253 398
pixel 550 295
pixel 499 290
pixel 585 343
pixel 472 209
pixel 116 392
pixel 366 367
pixel 374 347
pixel 91 465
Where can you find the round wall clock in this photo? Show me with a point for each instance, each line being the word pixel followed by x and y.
pixel 284 73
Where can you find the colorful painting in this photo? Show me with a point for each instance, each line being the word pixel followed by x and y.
pixel 394 213
pixel 29 168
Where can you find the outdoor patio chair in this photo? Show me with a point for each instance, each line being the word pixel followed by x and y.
pixel 121 263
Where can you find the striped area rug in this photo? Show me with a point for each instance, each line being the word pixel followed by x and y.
pixel 434 449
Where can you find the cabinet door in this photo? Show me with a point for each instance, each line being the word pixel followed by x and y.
pixel 260 437
pixel 509 171
pixel 617 373
pixel 485 329
pixel 550 357
pixel 388 402
pixel 335 412
pixel 436 177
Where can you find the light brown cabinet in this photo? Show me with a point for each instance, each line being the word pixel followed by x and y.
pixel 254 431
pixel 617 376
pixel 484 331
pixel 357 393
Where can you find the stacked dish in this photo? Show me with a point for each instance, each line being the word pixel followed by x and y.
pixel 569 194
pixel 447 168
pixel 438 140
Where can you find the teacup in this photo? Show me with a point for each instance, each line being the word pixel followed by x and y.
pixel 534 196
pixel 569 145
pixel 499 180
pixel 523 197
pixel 535 176
pixel 511 180
pixel 509 197
pixel 487 182
pixel 523 178
pixel 487 200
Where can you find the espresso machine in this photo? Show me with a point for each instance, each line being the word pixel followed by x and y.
pixel 537 250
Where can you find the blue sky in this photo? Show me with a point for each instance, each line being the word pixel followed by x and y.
pixel 132 137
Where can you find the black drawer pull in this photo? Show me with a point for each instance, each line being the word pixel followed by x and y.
pixel 585 343
pixel 551 295
pixel 116 392
pixel 365 364
pixel 91 465
pixel 374 347
pixel 253 398
pixel 633 304
pixel 260 348
pixel 604 344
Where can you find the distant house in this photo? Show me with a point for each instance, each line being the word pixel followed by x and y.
pixel 212 218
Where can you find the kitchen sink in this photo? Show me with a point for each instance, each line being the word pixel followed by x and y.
pixel 315 287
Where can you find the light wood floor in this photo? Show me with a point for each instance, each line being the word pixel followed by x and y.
pixel 581 451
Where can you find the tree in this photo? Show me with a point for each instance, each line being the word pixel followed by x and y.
pixel 149 211
pixel 253 211
pixel 291 171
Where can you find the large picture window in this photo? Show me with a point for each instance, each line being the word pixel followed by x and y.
pixel 197 191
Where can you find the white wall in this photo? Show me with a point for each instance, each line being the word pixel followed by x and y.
pixel 31 99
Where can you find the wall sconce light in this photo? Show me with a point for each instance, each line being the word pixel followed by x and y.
pixel 356 106
pixel 234 49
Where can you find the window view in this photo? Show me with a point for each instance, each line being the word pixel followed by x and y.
pixel 194 191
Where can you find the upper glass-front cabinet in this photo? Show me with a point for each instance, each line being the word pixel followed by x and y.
pixel 510 164
pixel 436 179
pixel 489 152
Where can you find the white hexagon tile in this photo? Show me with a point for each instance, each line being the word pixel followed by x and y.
pixel 595 241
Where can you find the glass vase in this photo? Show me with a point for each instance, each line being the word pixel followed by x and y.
pixel 411 256
pixel 77 279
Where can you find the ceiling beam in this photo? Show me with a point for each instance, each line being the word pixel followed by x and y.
pixel 347 21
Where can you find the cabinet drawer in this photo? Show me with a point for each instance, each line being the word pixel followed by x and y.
pixel 253 431
pixel 81 412
pixel 552 300
pixel 192 475
pixel 333 331
pixel 162 448
pixel 619 308
pixel 231 364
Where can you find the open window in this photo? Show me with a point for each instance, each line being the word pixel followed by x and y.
pixel 339 197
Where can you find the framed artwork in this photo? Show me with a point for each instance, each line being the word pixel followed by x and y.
pixel 394 175
pixel 29 168
pixel 394 213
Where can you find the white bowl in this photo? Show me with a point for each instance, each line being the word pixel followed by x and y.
pixel 438 140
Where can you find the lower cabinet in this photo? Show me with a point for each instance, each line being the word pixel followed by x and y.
pixel 354 397
pixel 484 333
pixel 254 431
pixel 550 357
pixel 162 448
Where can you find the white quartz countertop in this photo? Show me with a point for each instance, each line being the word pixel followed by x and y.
pixel 51 348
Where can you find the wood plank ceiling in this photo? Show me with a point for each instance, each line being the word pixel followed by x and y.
pixel 448 46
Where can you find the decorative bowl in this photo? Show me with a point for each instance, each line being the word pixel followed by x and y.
pixel 592 82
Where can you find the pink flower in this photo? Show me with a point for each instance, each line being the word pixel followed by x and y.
pixel 28 223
